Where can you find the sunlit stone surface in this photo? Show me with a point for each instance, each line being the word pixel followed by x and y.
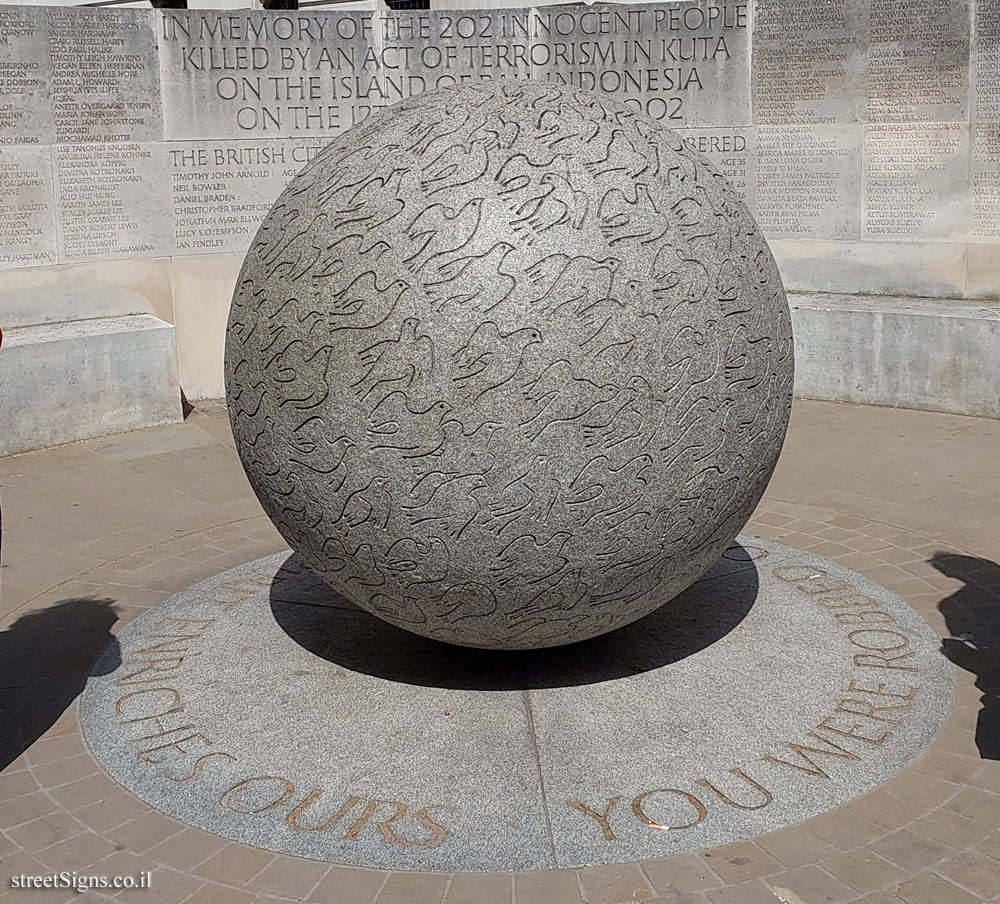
pixel 509 366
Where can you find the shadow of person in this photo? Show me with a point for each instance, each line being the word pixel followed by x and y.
pixel 326 624
pixel 972 614
pixel 45 657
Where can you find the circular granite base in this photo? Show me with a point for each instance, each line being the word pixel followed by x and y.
pixel 261 706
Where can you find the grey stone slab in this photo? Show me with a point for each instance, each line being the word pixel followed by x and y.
pixel 810 61
pixel 984 190
pixel 919 61
pixel 708 757
pixel 916 181
pixel 733 151
pixel 25 110
pixel 104 75
pixel 682 64
pixel 885 350
pixel 365 768
pixel 985 61
pixel 222 190
pixel 809 181
pixel 260 707
pixel 27 208
pixel 111 201
pixel 69 381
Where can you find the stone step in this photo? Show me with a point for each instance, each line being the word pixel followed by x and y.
pixel 62 382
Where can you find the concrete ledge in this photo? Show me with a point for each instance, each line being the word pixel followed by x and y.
pixel 68 381
pixel 931 354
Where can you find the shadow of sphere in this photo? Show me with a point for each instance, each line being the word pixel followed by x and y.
pixel 327 625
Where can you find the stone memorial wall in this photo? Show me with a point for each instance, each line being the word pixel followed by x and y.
pixel 142 148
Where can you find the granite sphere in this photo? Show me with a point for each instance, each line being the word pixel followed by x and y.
pixel 509 366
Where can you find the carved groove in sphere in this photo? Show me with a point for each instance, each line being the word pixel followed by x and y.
pixel 509 366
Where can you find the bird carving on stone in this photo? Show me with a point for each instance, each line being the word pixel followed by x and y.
pixel 413 432
pixel 489 358
pixel 397 363
pixel 476 279
pixel 439 230
pixel 363 303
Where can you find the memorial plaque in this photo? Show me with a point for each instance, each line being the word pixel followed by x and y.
pixel 684 64
pixel 256 74
pixel 112 201
pixel 734 153
pixel 916 180
pixel 105 79
pixel 27 205
pixel 242 79
pixel 986 61
pixel 250 74
pixel 25 113
pixel 810 61
pixel 809 181
pixel 452 47
pixel 918 61
pixel 985 187
pixel 221 190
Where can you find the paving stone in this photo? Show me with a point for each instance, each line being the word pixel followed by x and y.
pixel 24 809
pixel 413 888
pixel 932 889
pixel 605 884
pixel 951 828
pixel 973 871
pixel 864 870
pixel 145 831
pixel 349 885
pixel 186 849
pixel 911 850
pixel 552 887
pixel 17 765
pixel 121 863
pixel 795 847
pixel 165 887
pixel 991 845
pixel 844 829
pixel 988 777
pixel 77 852
pixel 7 847
pixel 686 872
pixel 235 864
pixel 107 814
pixel 16 784
pixel 754 892
pixel 880 897
pixel 49 750
pixel 977 804
pixel 46 831
pixel 740 862
pixel 219 894
pixel 480 889
pixel 290 877
pixel 922 789
pixel 887 810
pixel 811 884
pixel 71 769
pixel 90 790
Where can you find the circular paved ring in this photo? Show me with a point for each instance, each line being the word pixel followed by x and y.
pixel 262 707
